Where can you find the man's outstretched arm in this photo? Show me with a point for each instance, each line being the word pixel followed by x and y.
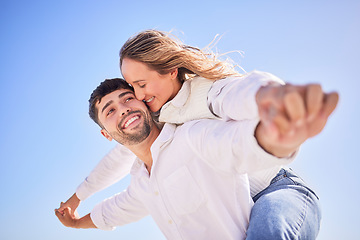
pixel 113 167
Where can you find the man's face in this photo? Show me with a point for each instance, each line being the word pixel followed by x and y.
pixel 124 118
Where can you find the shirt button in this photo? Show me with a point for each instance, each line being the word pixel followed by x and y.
pixel 170 221
pixel 157 193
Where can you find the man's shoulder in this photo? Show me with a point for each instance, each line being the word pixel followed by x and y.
pixel 202 125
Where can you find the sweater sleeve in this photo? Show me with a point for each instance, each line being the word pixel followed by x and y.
pixel 113 167
pixel 231 146
pixel 234 97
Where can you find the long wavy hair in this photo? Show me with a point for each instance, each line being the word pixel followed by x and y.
pixel 164 53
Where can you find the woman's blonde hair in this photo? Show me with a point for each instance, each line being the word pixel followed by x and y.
pixel 163 53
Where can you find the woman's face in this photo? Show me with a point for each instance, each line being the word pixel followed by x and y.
pixel 153 88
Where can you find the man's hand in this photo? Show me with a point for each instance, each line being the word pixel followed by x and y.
pixel 73 203
pixel 289 115
pixel 68 220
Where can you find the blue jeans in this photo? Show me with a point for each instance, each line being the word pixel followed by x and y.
pixel 286 209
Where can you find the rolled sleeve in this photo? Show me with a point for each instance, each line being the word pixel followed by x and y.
pixel 234 98
pixel 98 219
pixel 123 208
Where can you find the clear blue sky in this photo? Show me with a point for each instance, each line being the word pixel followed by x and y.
pixel 54 53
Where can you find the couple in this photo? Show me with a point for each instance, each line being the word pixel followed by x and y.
pixel 192 177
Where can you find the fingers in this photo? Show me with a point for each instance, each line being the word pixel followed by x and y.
pixel 319 122
pixel 314 100
pixel 294 106
pixel 62 205
pixel 62 215
pixel 66 208
pixel 284 105
pixel 302 102
pixel 65 217
pixel 281 122
pixel 330 104
pixel 293 114
pixel 58 213
pixel 69 211
pixel 283 109
pixel 61 208
pixel 271 95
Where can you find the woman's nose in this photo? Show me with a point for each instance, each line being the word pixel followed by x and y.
pixel 140 95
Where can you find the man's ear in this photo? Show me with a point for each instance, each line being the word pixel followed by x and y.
pixel 106 134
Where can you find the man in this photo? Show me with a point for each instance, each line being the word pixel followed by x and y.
pixel 191 178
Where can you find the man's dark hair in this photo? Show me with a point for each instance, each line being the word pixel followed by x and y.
pixel 106 87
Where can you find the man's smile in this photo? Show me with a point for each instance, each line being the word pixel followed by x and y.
pixel 130 119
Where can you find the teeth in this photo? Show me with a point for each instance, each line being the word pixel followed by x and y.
pixel 149 100
pixel 131 120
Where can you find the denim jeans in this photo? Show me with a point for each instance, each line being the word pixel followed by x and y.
pixel 286 209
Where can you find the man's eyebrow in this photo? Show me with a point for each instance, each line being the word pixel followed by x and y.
pixel 111 101
pixel 106 105
pixel 125 93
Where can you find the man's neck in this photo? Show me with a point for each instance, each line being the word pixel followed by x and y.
pixel 142 150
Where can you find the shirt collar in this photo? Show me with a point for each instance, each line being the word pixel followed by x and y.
pixel 164 137
pixel 166 134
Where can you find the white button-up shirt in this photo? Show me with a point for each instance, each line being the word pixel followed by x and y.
pixel 230 98
pixel 198 187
